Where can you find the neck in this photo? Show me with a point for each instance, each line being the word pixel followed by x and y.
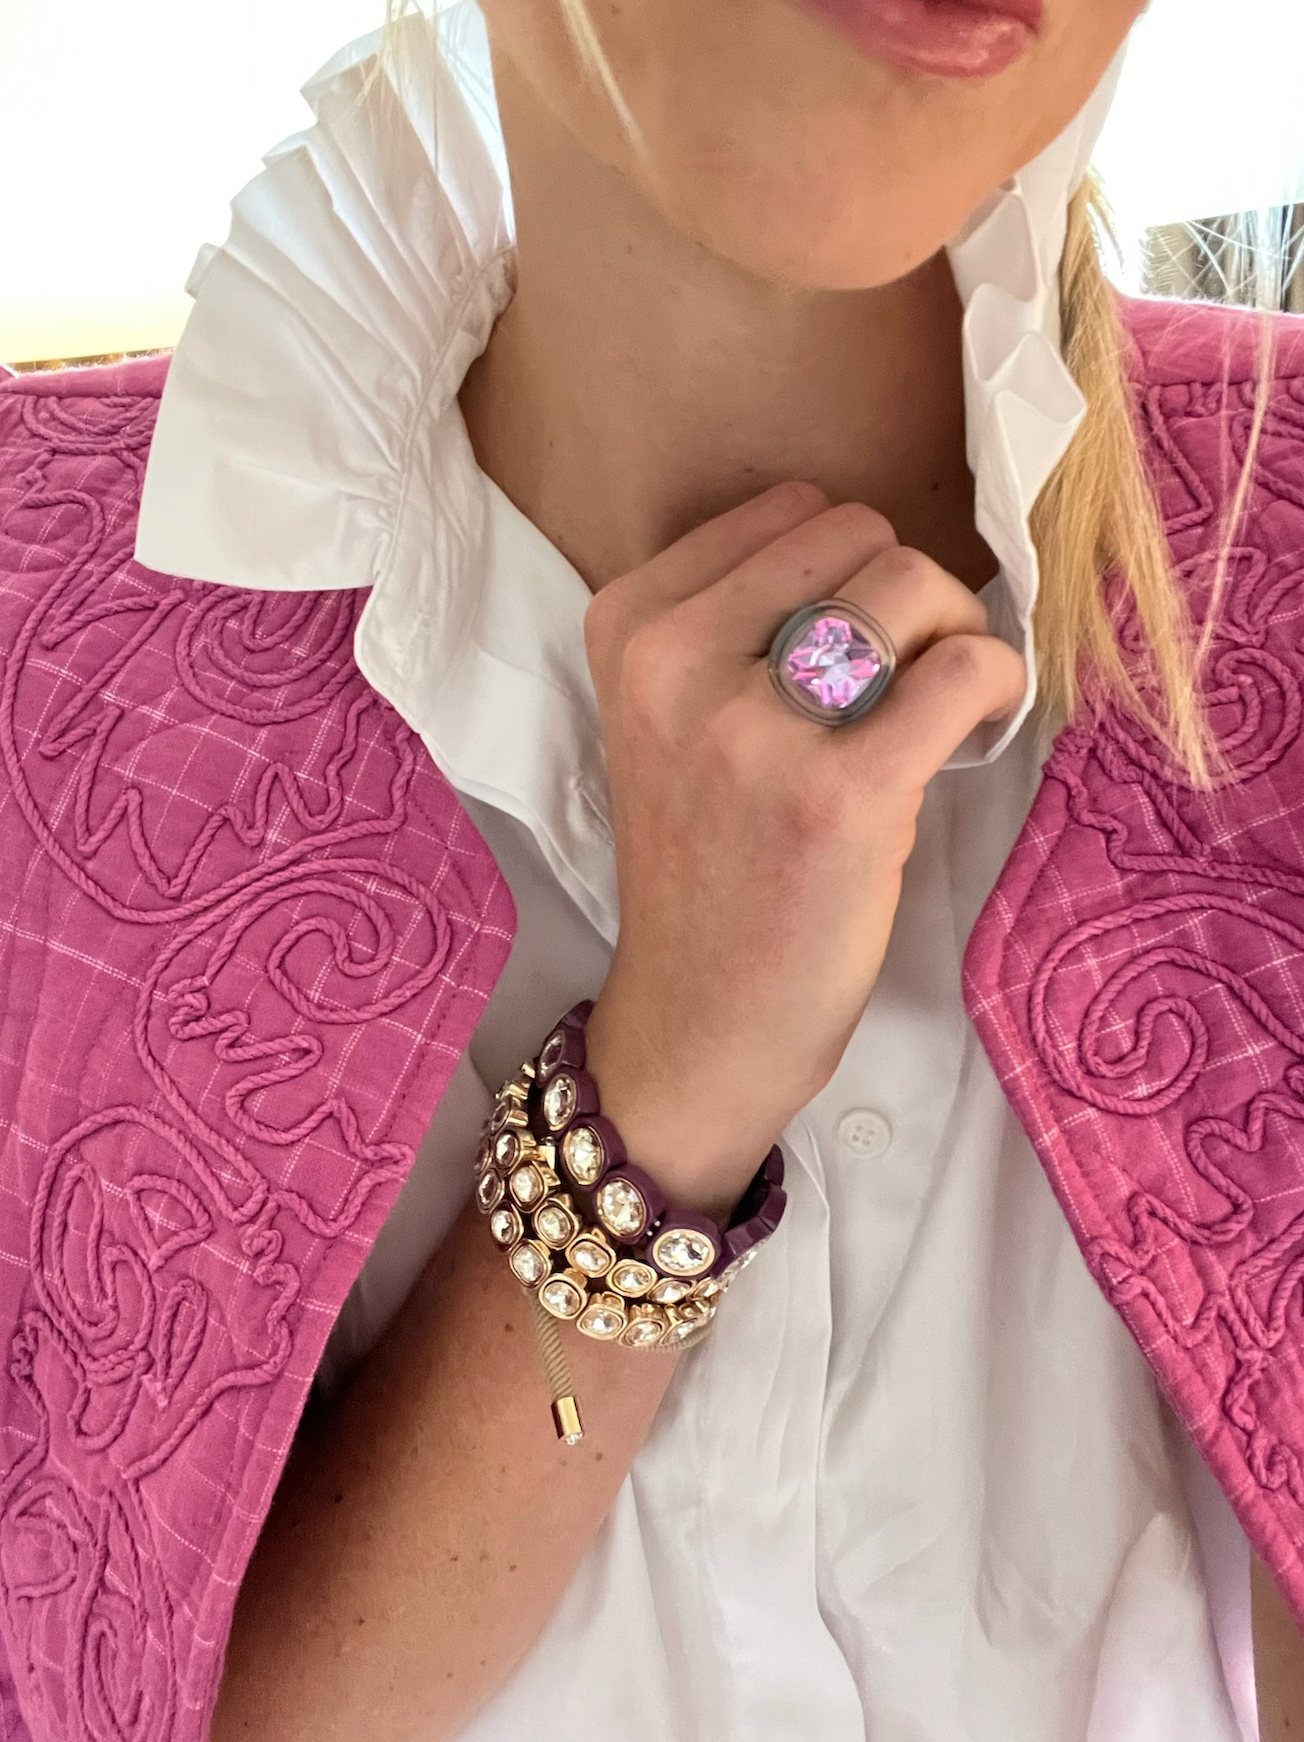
pixel 637 385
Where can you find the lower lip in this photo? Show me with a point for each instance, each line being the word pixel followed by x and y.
pixel 944 39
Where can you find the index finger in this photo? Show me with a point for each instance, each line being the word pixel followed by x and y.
pixel 713 550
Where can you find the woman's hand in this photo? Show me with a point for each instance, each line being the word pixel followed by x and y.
pixel 759 855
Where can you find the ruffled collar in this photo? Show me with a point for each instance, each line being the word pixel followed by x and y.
pixel 310 437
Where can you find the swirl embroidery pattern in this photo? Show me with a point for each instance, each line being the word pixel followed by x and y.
pixel 1138 974
pixel 245 934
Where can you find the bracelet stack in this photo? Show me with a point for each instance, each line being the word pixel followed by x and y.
pixel 588 1233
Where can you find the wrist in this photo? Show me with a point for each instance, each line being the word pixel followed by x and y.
pixel 699 1140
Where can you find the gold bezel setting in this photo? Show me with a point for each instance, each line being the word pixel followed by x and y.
pixel 671 1289
pixel 531 1263
pixel 559 1213
pixel 621 1208
pixel 591 1238
pixel 647 1326
pixel 526 1185
pixel 505 1226
pixel 553 1048
pixel 507 1151
pixel 489 1191
pixel 505 1117
pixel 577 1139
pixel 561 1099
pixel 564 1294
pixel 632 1278
pixel 683 1252
pixel 604 1318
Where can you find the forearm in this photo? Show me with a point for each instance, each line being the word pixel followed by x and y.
pixel 427 1526
pixel 1278 1661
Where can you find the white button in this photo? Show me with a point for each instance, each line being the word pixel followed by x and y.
pixel 865 1133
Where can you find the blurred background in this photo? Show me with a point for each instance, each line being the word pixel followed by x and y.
pixel 126 128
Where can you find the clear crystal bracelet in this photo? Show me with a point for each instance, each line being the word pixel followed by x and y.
pixel 588 1234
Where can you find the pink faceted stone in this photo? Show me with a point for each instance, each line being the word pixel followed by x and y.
pixel 833 663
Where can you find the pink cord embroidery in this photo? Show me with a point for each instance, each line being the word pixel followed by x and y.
pixel 1138 974
pixel 245 934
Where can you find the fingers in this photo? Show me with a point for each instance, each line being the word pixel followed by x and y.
pixel 932 705
pixel 741 611
pixel 713 551
pixel 727 587
pixel 696 561
pixel 915 600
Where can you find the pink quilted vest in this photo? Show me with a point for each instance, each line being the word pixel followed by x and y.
pixel 246 932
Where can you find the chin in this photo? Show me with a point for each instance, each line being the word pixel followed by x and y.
pixel 845 249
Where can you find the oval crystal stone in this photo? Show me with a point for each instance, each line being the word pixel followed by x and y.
pixel 647 1326
pixel 561 1297
pixel 686 1330
pixel 683 1252
pixel 506 1151
pixel 553 1048
pixel 505 1225
pixel 591 1256
pixel 529 1265
pixel 488 1191
pixel 621 1208
pixel 560 1100
pixel 585 1158
pixel 632 1278
pixel 670 1289
pixel 603 1318
pixel 554 1224
pixel 527 1185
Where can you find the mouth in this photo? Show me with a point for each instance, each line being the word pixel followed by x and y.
pixel 944 39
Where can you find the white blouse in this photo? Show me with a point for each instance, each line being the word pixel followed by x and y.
pixel 918 1485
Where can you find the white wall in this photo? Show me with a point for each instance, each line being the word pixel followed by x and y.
pixel 1209 117
pixel 126 126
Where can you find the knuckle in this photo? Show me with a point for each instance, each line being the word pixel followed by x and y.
pixel 980 665
pixel 904 566
pixel 964 660
pixel 859 524
pixel 907 569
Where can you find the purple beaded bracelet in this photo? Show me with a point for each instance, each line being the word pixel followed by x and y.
pixel 589 1233
pixel 625 1200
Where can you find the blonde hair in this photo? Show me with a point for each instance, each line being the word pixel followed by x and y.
pixel 1098 516
pixel 1098 521
pixel 1097 526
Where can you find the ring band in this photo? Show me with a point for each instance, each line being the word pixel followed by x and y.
pixel 831 662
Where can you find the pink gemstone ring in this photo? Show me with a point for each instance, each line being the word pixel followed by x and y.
pixel 831 662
